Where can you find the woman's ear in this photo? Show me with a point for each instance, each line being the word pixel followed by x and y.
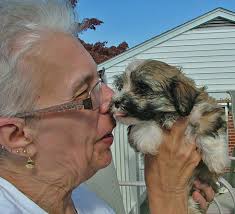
pixel 15 137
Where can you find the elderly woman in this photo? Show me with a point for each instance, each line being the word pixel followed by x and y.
pixel 55 126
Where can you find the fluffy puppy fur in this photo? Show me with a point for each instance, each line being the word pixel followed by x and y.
pixel 151 96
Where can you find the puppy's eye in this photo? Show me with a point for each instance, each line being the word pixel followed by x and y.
pixel 119 87
pixel 142 88
pixel 118 82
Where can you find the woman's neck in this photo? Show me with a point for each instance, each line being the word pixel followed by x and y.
pixel 51 193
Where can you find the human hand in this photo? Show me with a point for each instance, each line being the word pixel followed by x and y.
pixel 171 168
pixel 203 194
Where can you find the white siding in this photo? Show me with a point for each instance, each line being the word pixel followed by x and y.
pixel 125 160
pixel 205 55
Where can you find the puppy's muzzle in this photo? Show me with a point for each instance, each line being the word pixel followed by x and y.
pixel 120 103
pixel 117 103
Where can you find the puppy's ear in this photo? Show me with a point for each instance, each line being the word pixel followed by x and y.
pixel 183 94
pixel 118 82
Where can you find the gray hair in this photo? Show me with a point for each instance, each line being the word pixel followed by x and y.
pixel 22 25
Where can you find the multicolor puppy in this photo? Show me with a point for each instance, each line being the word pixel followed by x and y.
pixel 151 96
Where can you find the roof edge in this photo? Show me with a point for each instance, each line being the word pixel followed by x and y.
pixel 169 34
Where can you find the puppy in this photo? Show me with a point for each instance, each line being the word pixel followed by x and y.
pixel 151 96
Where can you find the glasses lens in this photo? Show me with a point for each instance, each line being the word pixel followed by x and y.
pixel 96 96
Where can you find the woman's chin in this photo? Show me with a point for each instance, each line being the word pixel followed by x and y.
pixel 105 160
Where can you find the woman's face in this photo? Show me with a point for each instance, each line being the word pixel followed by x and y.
pixel 76 143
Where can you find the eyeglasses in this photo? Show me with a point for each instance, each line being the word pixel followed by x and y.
pixel 92 102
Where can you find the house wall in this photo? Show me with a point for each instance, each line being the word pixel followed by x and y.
pixel 206 55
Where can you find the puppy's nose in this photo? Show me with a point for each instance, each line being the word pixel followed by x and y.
pixel 117 103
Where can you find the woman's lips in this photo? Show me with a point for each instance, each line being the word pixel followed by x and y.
pixel 120 114
pixel 107 139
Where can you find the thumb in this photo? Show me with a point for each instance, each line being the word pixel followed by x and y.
pixel 179 128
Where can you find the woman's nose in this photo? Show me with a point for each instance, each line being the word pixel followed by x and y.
pixel 107 94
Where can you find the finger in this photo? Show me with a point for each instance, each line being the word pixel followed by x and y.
pixel 207 190
pixel 187 154
pixel 179 133
pixel 190 140
pixel 197 197
pixel 179 127
pixel 190 165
